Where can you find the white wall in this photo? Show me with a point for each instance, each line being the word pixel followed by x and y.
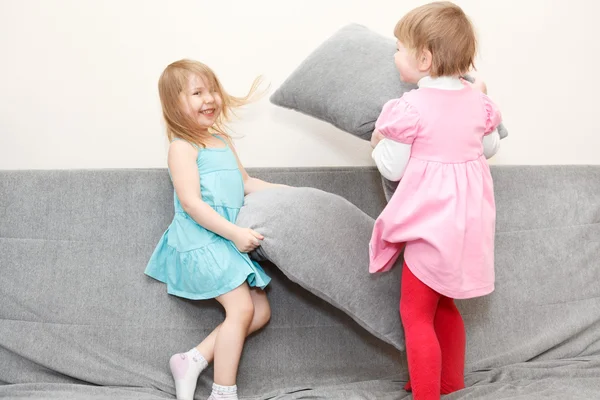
pixel 78 78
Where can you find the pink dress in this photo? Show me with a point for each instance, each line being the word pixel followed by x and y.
pixel 443 209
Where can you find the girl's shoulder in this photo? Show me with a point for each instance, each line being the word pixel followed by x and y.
pixel 402 102
pixel 178 143
pixel 180 149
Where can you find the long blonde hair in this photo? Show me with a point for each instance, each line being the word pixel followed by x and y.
pixel 174 80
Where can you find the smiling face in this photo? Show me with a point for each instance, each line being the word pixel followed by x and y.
pixel 195 106
pixel 201 101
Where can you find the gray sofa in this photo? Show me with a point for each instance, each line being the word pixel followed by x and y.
pixel 80 320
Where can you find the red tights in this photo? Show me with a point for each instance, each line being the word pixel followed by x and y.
pixel 435 339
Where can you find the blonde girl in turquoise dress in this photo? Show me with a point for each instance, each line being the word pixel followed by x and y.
pixel 203 254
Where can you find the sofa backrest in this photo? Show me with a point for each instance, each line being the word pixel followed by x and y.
pixel 77 307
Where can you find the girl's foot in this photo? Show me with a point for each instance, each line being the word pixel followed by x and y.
pixel 186 367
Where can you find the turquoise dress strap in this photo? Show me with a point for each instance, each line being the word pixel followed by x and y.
pixel 221 139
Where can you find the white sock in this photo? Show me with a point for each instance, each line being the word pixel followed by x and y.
pixel 186 367
pixel 223 392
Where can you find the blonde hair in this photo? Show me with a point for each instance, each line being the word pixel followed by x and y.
pixel 443 29
pixel 174 80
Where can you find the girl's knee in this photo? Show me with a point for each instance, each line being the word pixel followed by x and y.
pixel 406 311
pixel 243 311
pixel 262 314
pixel 262 308
pixel 412 316
pixel 448 303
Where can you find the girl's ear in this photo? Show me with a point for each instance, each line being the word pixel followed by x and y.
pixel 424 61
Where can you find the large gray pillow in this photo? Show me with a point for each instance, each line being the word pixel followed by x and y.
pixel 321 241
pixel 346 81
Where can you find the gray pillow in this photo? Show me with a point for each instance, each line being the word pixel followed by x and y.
pixel 321 242
pixel 346 81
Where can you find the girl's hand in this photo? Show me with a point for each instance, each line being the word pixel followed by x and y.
pixel 246 240
pixel 480 85
pixel 376 137
pixel 477 84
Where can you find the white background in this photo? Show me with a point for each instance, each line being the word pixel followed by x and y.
pixel 78 78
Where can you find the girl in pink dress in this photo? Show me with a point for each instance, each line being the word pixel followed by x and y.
pixel 435 141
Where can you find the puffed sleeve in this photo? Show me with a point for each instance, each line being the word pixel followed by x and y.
pixel 492 114
pixel 398 121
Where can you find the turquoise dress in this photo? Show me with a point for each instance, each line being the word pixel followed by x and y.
pixel 194 262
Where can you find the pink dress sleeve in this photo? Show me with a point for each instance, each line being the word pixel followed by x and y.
pixel 398 121
pixel 492 114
